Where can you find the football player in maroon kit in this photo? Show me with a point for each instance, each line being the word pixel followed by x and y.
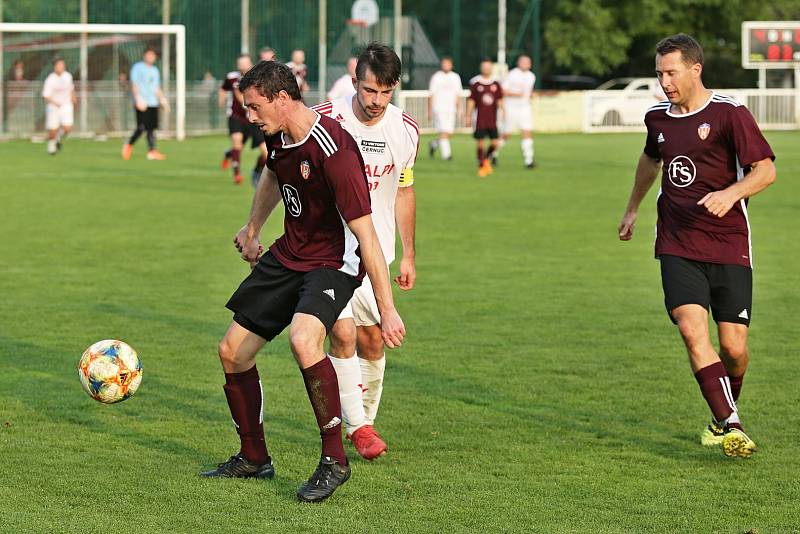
pixel 239 127
pixel 714 159
pixel 307 276
pixel 485 94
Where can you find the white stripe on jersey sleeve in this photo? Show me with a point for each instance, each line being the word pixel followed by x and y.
pixel 351 262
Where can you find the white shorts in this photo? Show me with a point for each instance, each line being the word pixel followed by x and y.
pixel 517 118
pixel 444 121
pixel 362 308
pixel 56 116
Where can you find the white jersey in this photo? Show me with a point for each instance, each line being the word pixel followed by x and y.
pixel 58 88
pixel 389 149
pixel 445 88
pixel 342 87
pixel 519 81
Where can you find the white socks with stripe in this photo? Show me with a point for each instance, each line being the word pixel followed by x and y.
pixel 527 150
pixel 348 373
pixel 372 377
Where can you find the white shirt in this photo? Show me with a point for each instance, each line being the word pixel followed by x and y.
pixel 389 149
pixel 519 81
pixel 342 87
pixel 58 88
pixel 445 88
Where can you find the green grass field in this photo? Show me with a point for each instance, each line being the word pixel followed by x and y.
pixel 542 387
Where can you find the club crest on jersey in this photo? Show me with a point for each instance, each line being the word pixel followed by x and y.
pixel 305 170
pixel 703 130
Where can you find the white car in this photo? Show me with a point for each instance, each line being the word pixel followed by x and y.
pixel 627 106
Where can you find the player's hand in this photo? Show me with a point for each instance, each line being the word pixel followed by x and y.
pixel 718 202
pixel 250 249
pixel 392 328
pixel 626 226
pixel 165 104
pixel 141 105
pixel 408 274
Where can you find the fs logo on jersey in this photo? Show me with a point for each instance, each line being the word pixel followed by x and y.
pixel 681 171
pixel 488 99
pixel 703 130
pixel 291 198
pixel 305 170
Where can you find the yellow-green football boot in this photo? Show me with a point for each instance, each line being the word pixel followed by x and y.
pixel 737 444
pixel 712 435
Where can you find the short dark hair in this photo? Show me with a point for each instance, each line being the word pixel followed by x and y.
pixel 381 61
pixel 690 49
pixel 149 49
pixel 56 60
pixel 248 56
pixel 270 78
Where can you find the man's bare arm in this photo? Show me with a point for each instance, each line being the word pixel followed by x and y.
pixel 646 173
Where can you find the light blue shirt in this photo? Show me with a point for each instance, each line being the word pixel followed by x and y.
pixel 147 80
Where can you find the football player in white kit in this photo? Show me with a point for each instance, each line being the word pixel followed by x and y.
pixel 517 89
pixel 59 95
pixel 444 105
pixel 388 140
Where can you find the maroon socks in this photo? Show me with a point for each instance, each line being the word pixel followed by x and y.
pixel 323 392
pixel 736 386
pixel 246 401
pixel 235 160
pixel 716 389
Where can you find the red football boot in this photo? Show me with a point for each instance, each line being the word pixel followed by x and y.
pixel 368 443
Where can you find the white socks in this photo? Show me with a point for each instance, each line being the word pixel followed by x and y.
pixel 348 373
pixel 527 150
pixel 51 146
pixel 444 145
pixel 372 377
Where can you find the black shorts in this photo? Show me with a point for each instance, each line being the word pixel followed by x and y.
pixel 481 133
pixel 247 129
pixel 727 289
pixel 147 119
pixel 268 298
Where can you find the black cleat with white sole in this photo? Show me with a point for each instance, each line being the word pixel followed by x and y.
pixel 238 466
pixel 329 475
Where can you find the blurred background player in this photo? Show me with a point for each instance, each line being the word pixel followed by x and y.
pixel 388 140
pixel 266 54
pixel 714 159
pixel 517 115
pixel 444 105
pixel 344 85
pixel 299 69
pixel 485 96
pixel 239 128
pixel 59 95
pixel 145 83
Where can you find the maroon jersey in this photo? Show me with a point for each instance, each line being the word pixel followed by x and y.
pixel 235 108
pixel 485 94
pixel 703 151
pixel 323 185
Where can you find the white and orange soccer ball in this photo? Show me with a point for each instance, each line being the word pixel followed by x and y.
pixel 110 371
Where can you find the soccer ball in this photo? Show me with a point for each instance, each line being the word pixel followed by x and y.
pixel 110 371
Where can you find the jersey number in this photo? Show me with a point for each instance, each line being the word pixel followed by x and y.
pixel 373 186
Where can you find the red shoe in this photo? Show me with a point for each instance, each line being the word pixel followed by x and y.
pixel 368 443
pixel 127 150
pixel 226 162
pixel 237 179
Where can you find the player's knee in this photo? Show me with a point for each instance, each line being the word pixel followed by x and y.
pixel 302 343
pixel 693 334
pixel 227 354
pixel 371 343
pixel 343 339
pixel 734 350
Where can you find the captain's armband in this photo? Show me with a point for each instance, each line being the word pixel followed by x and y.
pixel 406 177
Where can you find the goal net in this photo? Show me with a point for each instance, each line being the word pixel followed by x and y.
pixel 99 57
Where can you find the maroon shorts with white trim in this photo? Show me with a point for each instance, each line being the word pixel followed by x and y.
pixel 268 298
pixel 727 289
